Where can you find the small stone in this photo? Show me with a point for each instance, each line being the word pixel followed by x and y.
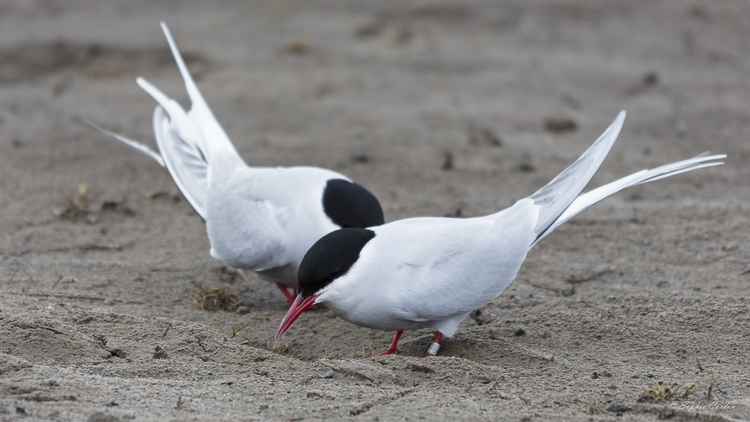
pixel 595 375
pixel 360 157
pixel 298 46
pixel 519 332
pixel 526 167
pixel 314 394
pixel 118 353
pixel 650 78
pixel 52 383
pixel 614 407
pixel 112 403
pixel 92 219
pixel 447 159
pixel 324 372
pixel 556 124
pixel 108 301
pixel 681 127
pixel 650 375
pixel 367 29
pixel 103 230
pixel 102 417
pixel 242 310
pixel 482 135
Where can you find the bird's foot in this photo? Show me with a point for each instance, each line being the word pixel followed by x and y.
pixel 390 351
pixel 435 346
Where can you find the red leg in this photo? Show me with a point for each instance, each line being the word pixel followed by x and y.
pixel 289 297
pixel 435 346
pixel 392 348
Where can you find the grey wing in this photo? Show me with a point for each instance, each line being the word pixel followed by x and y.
pixel 558 194
pixel 474 267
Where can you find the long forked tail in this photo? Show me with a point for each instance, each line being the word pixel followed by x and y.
pixel 554 198
pixel 192 144
pixel 590 198
pixel 216 143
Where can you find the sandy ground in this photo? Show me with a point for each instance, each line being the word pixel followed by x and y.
pixel 649 287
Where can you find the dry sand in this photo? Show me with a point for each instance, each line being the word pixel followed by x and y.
pixel 636 291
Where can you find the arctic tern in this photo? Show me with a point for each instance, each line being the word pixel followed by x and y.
pixel 262 219
pixel 432 272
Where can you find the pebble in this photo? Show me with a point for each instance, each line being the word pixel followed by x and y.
pixel 526 167
pixel 681 127
pixel 614 407
pixel 242 310
pixel 557 124
pixel 447 159
pixel 520 332
pixel 325 372
pixel 360 157
pixel 482 135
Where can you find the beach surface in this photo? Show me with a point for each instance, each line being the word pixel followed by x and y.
pixel 438 108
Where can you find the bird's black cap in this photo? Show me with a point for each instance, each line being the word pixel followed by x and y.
pixel 348 204
pixel 330 258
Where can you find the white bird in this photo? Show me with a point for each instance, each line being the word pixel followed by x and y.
pixel 432 272
pixel 261 219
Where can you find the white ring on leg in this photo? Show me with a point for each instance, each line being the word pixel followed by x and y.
pixel 434 347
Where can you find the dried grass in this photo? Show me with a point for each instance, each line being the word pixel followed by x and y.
pixel 215 298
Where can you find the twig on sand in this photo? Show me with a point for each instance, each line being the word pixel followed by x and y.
pixel 14 274
pixel 84 247
pixel 63 296
pixel 27 275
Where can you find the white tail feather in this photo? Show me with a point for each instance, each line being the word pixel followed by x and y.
pixel 215 139
pixel 583 202
pixel 184 161
pixel 192 144
pixel 556 196
pixel 133 144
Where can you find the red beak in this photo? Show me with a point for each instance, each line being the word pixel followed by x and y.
pixel 299 306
